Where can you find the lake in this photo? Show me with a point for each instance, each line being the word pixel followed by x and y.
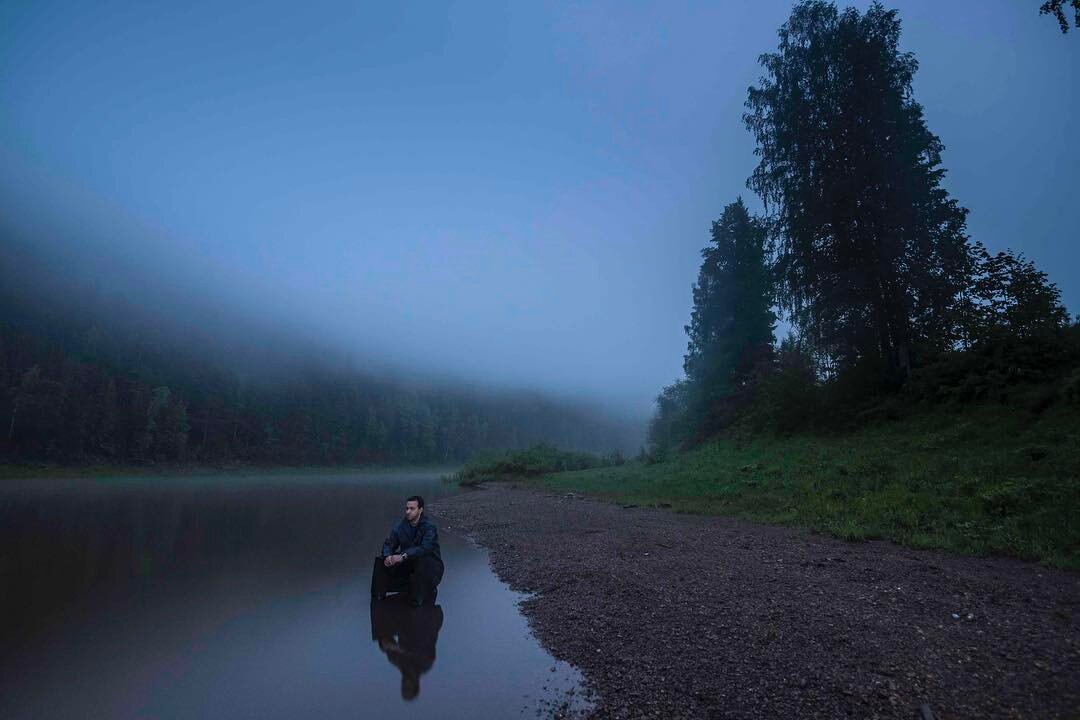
pixel 234 597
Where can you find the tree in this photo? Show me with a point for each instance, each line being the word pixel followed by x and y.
pixel 37 409
pixel 77 385
pixel 668 426
pixel 23 393
pixel 1057 9
pixel 790 398
pixel 731 326
pixel 872 256
pixel 1014 297
pixel 104 418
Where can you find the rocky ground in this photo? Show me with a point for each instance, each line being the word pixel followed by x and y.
pixel 681 616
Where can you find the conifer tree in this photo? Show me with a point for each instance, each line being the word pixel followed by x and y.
pixel 731 326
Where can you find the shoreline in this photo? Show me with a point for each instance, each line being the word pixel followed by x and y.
pixel 671 615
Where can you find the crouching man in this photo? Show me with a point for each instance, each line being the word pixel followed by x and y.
pixel 410 560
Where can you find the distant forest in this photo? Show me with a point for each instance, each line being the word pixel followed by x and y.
pixel 864 253
pixel 88 375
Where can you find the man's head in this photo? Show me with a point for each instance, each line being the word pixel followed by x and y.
pixel 410 685
pixel 414 508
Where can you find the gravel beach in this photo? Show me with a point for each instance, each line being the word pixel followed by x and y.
pixel 681 616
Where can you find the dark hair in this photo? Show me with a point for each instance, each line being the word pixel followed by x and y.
pixel 419 500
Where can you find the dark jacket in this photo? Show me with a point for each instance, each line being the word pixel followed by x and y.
pixel 413 541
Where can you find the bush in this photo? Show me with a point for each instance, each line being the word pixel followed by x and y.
pixel 1070 390
pixel 538 460
pixel 670 426
pixel 790 398
pixel 1001 370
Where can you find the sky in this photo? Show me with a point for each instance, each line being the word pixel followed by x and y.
pixel 514 194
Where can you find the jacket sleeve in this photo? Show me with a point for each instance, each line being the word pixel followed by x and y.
pixel 427 542
pixel 390 543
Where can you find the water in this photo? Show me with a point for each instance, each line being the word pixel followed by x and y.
pixel 228 597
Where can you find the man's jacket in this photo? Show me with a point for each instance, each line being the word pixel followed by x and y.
pixel 413 541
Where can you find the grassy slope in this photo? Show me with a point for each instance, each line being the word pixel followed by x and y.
pixel 990 480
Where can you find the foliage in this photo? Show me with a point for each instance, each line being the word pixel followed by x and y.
pixel 868 257
pixel 1003 369
pixel 1009 296
pixel 1070 389
pixel 984 480
pixel 84 386
pixel 732 322
pixel 871 254
pixel 670 424
pixel 731 335
pixel 1057 9
pixel 540 459
pixel 789 399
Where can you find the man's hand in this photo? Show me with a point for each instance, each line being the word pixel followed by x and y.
pixel 391 560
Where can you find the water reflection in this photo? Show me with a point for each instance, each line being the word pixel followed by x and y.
pixel 407 635
pixel 66 544
pixel 239 597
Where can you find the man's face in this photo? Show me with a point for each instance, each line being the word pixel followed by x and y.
pixel 412 511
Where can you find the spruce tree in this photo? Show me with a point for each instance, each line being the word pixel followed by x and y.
pixel 731 326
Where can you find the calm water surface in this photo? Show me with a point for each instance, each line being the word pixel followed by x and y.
pixel 248 598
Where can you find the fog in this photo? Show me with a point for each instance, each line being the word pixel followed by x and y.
pixel 503 196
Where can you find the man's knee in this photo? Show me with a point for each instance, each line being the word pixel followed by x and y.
pixel 426 573
pixel 431 569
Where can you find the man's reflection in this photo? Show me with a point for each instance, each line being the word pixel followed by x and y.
pixel 407 635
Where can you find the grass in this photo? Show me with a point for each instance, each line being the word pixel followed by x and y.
pixel 987 481
pixel 532 462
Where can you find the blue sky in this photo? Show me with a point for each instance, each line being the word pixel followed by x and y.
pixel 510 193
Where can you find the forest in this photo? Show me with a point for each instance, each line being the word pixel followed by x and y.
pixel 864 253
pixel 93 376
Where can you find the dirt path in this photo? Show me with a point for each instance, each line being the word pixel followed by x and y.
pixel 680 616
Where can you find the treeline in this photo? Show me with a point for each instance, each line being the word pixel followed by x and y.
pixel 862 251
pixel 92 377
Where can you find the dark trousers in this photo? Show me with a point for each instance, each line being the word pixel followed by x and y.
pixel 419 578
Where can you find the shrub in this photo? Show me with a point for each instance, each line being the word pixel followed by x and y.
pixel 1000 370
pixel 1070 390
pixel 538 460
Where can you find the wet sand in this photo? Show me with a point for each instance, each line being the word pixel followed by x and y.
pixel 682 616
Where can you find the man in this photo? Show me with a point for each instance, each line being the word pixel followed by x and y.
pixel 410 557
